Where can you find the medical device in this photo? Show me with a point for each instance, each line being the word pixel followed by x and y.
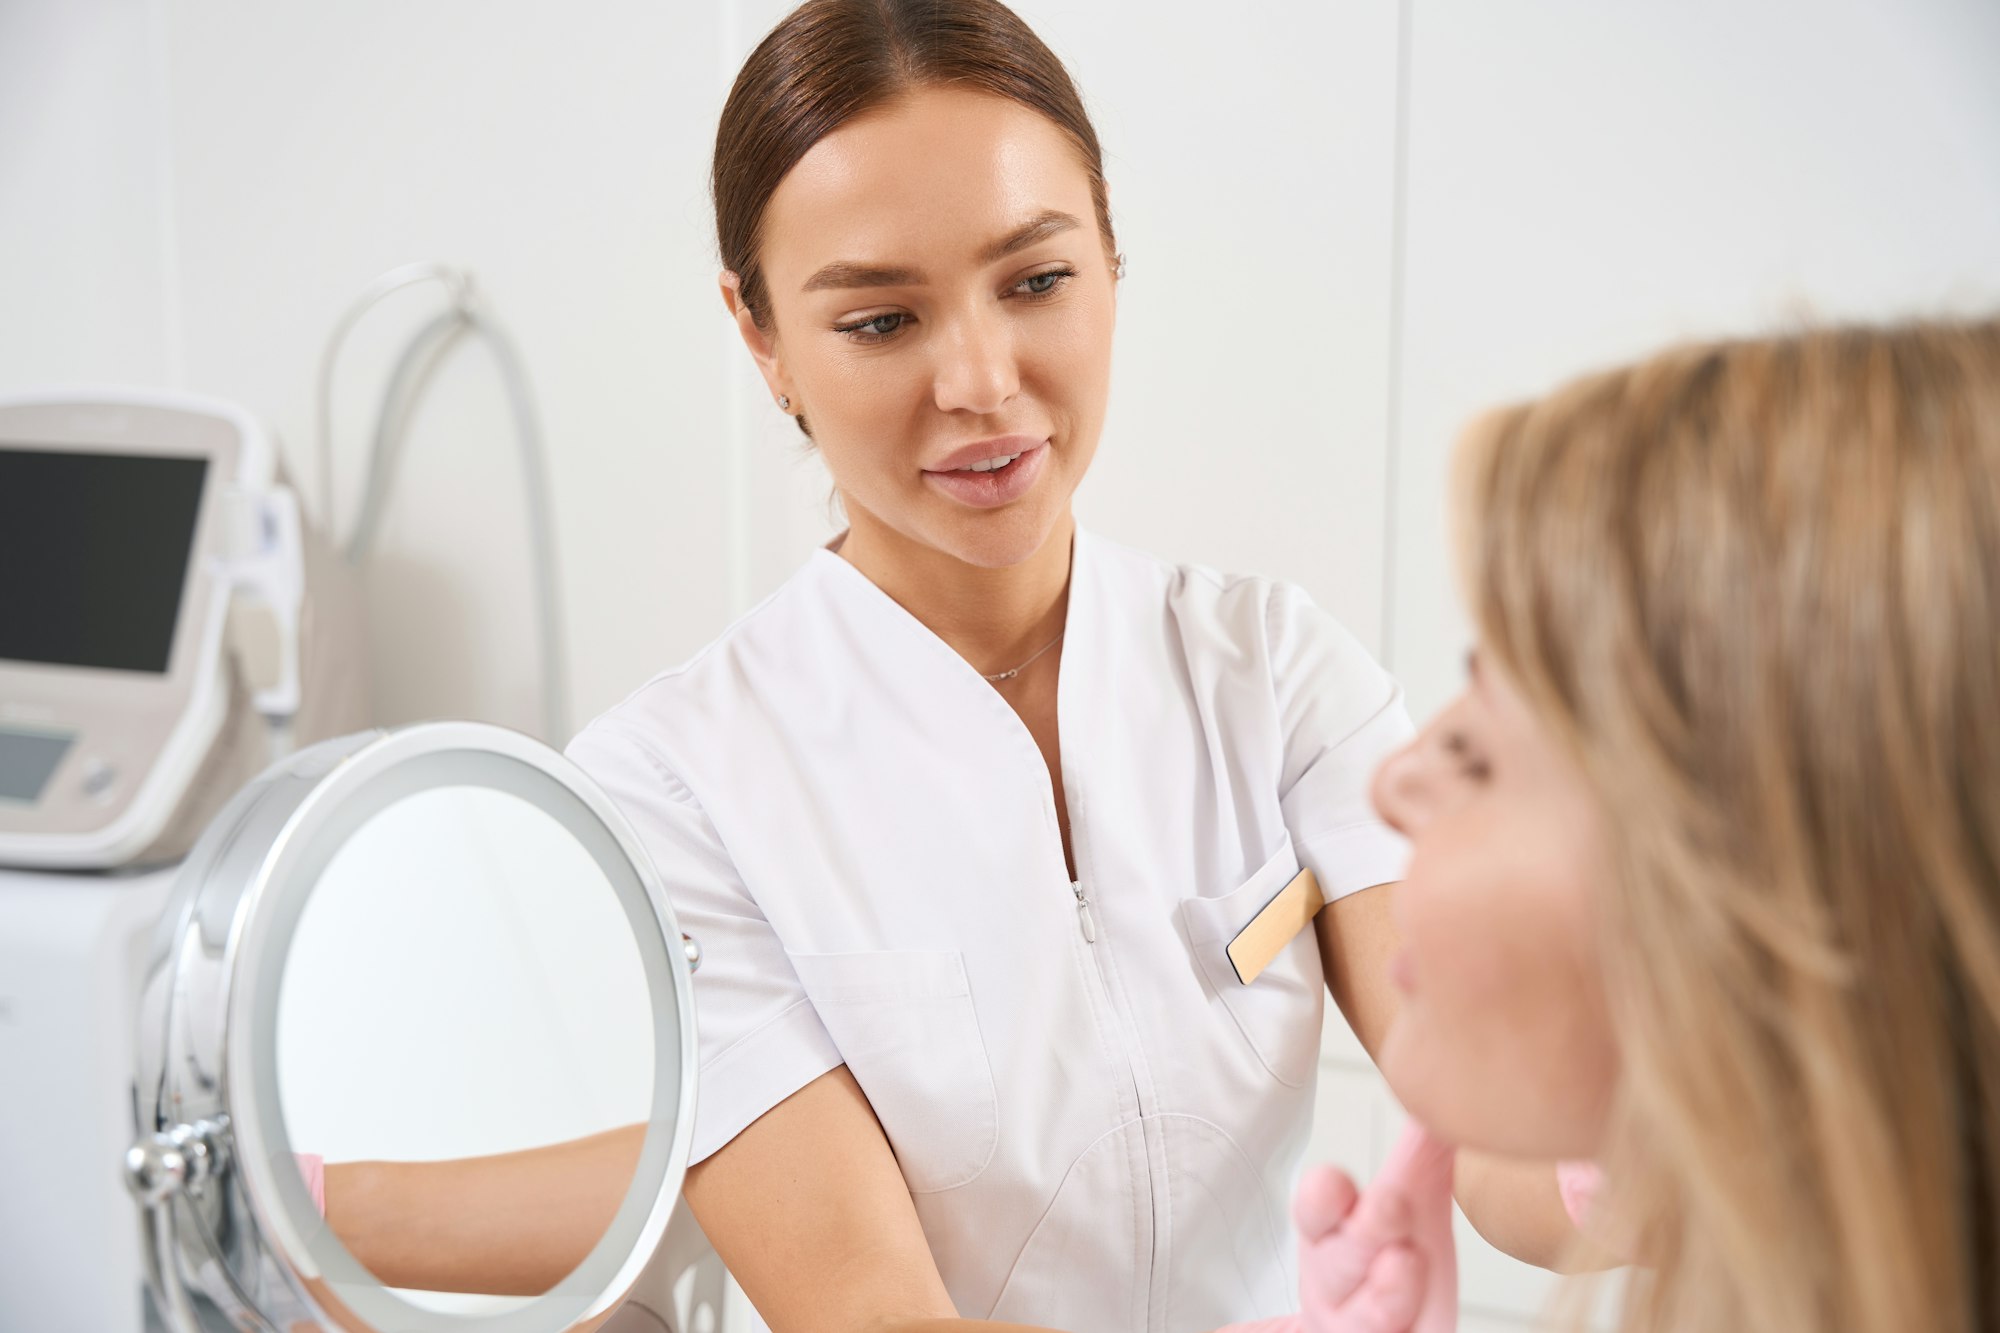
pixel 168 624
pixel 72 953
pixel 174 621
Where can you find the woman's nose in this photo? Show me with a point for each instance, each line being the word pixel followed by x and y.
pixel 1408 787
pixel 976 371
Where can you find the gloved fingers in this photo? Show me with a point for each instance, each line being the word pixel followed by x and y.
pixel 1433 1238
pixel 1366 1259
pixel 1335 1267
pixel 1382 1215
pixel 1388 1300
pixel 1579 1184
pixel 1324 1198
pixel 1419 1164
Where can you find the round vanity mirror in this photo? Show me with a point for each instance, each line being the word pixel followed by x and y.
pixel 416 1048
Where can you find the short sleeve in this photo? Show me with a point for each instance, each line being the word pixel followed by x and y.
pixel 1341 715
pixel 761 1039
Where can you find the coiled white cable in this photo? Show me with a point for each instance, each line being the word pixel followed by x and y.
pixel 414 367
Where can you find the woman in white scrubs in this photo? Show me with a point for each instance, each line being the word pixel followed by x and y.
pixel 966 814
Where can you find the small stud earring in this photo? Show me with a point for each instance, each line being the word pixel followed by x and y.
pixel 784 403
pixel 1121 267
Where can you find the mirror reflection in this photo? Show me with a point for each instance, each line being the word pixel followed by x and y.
pixel 465 1052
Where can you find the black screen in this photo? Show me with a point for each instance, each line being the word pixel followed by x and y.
pixel 93 555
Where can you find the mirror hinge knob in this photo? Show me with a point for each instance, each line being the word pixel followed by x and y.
pixel 178 1160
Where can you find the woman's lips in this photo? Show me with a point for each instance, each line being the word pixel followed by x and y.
pixel 990 490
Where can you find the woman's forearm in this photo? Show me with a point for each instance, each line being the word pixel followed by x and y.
pixel 512 1224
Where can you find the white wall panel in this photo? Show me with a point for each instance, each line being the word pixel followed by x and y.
pixel 1589 181
pixel 86 274
pixel 558 152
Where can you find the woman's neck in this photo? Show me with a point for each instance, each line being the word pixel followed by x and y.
pixel 993 618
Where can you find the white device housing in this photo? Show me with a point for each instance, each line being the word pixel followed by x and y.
pixel 72 956
pixel 145 756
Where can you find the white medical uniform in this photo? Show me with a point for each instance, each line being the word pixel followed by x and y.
pixel 1100 1135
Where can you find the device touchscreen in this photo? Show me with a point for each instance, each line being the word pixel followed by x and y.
pixel 95 548
pixel 27 758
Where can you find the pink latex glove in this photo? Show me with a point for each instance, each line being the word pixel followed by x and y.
pixel 1579 1183
pixel 1382 1262
pixel 313 1168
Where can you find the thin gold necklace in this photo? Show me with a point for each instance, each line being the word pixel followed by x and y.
pixel 999 676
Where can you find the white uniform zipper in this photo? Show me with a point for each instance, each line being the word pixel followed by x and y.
pixel 1088 924
pixel 1083 917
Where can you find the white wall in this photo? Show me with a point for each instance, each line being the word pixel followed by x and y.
pixel 1588 181
pixel 86 281
pixel 558 152
pixel 1349 226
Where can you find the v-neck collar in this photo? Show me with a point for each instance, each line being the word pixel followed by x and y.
pixel 1075 626
pixel 1081 620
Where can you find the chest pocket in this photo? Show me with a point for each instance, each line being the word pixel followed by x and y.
pixel 906 1027
pixel 1278 1014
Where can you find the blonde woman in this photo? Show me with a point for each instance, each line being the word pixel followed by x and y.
pixel 1706 871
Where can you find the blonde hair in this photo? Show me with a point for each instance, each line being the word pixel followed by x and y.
pixel 1754 587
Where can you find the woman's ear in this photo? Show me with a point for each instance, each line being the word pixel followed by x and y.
pixel 763 346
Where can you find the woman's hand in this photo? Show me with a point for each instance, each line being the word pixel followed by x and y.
pixel 1382 1261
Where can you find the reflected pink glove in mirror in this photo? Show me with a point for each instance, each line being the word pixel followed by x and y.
pixel 1377 1262
pixel 313 1169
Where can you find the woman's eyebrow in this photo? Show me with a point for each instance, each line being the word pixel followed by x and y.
pixel 844 273
pixel 1049 222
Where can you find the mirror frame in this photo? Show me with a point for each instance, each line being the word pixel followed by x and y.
pixel 230 1225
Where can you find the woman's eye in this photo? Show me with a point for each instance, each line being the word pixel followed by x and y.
pixel 874 328
pixel 1470 763
pixel 1044 284
pixel 878 328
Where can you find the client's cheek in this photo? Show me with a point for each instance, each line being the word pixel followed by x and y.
pixel 1436 1063
pixel 1478 999
pixel 1460 955
pixel 1447 981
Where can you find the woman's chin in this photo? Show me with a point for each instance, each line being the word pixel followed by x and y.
pixel 1456 1097
pixel 1434 1091
pixel 1000 538
pixel 1400 1062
